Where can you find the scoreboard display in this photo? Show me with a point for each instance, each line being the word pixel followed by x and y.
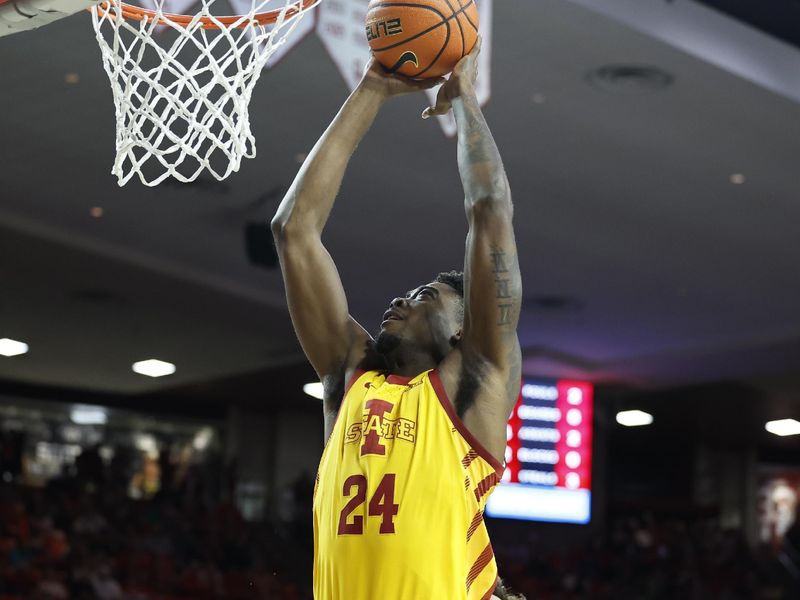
pixel 548 474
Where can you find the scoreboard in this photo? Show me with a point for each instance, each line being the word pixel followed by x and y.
pixel 548 474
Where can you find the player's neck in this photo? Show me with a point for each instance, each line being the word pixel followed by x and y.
pixel 409 364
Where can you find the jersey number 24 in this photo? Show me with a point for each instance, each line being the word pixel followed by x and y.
pixel 380 505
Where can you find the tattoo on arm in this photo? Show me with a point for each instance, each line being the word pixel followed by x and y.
pixel 499 258
pixel 502 288
pixel 502 292
pixel 484 180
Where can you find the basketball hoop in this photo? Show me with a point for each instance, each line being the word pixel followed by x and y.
pixel 182 98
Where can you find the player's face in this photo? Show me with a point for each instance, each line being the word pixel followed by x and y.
pixel 427 316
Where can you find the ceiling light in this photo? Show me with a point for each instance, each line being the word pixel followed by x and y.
pixel 737 179
pixel 146 443
pixel 88 415
pixel 314 390
pixel 783 427
pixel 202 439
pixel 9 347
pixel 153 368
pixel 634 418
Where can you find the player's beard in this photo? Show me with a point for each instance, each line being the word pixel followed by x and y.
pixel 386 343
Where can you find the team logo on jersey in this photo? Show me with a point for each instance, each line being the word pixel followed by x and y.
pixel 375 428
pixel 383 28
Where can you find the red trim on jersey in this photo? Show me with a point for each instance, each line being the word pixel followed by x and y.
pixel 489 594
pixel 467 460
pixel 436 382
pixel 484 486
pixel 476 521
pixel 398 379
pixel 353 378
pixel 480 564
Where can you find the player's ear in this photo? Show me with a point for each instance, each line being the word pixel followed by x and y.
pixel 455 338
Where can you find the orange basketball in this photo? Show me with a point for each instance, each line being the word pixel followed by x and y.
pixel 421 38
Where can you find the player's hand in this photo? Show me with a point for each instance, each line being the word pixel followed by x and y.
pixel 461 83
pixel 388 85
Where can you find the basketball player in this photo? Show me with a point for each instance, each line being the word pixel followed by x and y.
pixel 415 419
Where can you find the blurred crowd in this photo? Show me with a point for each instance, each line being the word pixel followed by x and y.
pixel 644 558
pixel 63 542
pixel 90 536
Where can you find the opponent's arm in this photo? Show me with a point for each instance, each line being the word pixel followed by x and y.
pixel 316 298
pixel 492 283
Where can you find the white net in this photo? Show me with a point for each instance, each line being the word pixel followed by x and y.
pixel 182 85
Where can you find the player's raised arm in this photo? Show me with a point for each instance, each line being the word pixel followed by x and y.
pixel 492 284
pixel 331 339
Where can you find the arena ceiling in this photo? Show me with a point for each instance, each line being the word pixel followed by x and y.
pixel 644 264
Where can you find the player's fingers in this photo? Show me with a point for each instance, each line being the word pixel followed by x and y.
pixel 477 49
pixel 420 84
pixel 436 111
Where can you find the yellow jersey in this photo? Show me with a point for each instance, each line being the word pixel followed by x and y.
pixel 399 497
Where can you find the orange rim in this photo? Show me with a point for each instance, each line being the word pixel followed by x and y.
pixel 137 13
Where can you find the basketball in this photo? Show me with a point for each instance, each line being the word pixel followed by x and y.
pixel 421 38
